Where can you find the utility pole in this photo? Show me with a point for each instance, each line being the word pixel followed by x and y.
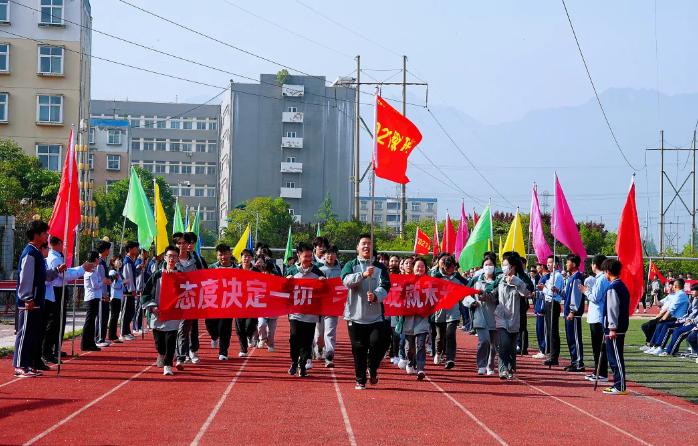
pixel 357 128
pixel 403 187
pixel 661 193
pixel 693 214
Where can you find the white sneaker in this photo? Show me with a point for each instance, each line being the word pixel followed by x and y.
pixel 360 386
pixel 242 355
pixel 490 372
pixel 655 351
pixel 437 359
pixel 129 337
pixel 214 343
pixel 103 344
pixel 402 363
pixel 696 360
pixel 663 353
pixel 309 364
pixel 395 360
pixel 222 358
pixel 481 371
pixel 136 332
pixel 271 349
pixel 539 355
pixel 179 365
pixel 410 370
pixel 261 344
pixel 194 357
pixel 167 371
pixel 644 348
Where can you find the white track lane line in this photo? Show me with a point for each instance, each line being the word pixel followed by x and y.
pixel 600 420
pixel 343 409
pixel 52 368
pixel 85 407
pixel 219 404
pixel 683 409
pixel 472 416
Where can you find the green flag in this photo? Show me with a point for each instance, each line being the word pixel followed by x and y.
pixel 138 210
pixel 177 223
pixel 195 227
pixel 289 246
pixel 471 256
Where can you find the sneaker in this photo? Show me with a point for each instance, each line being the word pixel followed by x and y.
pixel 51 359
pixel 654 351
pixel 551 362
pixel 41 365
pixel 644 348
pixel 373 379
pixel 663 353
pixel 271 349
pixel 222 358
pixel 194 357
pixel 539 355
pixel 160 362
pixel 481 371
pixel 303 372
pixel 437 359
pixel 402 364
pixel 602 379
pixel 329 363
pixel 696 360
pixel 179 365
pixel 103 344
pixel 91 348
pixel 309 364
pixel 136 332
pixel 410 370
pixel 614 391
pixel 360 386
pixel 214 343
pixel 117 341
pixel 34 371
pixel 293 369
pixel 503 375
pixel 449 365
pixel 262 344
pixel 23 372
pixel 490 372
pixel 129 337
pixel 395 360
pixel 167 370
pixel 510 375
pixel 421 375
pixel 574 369
pixel 242 355
pixel 590 377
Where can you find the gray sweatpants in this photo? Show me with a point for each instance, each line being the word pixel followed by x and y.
pixel 183 335
pixel 486 348
pixel 416 350
pixel 325 336
pixel 266 330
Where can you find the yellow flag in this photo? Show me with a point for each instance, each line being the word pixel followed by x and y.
pixel 245 242
pixel 161 240
pixel 515 238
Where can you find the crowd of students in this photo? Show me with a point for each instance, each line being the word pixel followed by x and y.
pixel 120 291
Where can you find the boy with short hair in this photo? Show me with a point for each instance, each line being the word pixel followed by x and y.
pixel 130 274
pixel 221 330
pixel 326 328
pixel 93 283
pixel 617 317
pixel 574 309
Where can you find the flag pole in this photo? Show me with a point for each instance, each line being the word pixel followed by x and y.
pixel 528 247
pixel 489 205
pixel 553 224
pixel 373 167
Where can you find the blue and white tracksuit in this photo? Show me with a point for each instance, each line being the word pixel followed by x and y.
pixel 574 305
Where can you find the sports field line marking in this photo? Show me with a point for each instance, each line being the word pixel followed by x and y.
pixel 343 409
pixel 85 407
pixel 52 368
pixel 600 420
pixel 219 404
pixel 472 416
pixel 642 395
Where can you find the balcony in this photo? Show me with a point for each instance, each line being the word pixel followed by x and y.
pixel 291 192
pixel 291 143
pixel 292 117
pixel 291 167
pixel 294 91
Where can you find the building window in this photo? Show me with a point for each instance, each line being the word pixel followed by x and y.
pixel 114 137
pixel 186 169
pixel 290 159
pixel 186 146
pixel 148 144
pixel 378 205
pixel 291 211
pixel 4 11
pixel 174 167
pixel 364 205
pixel 292 109
pixel 175 123
pixel 211 169
pixel 51 60
pixel 135 145
pixel 185 191
pixel 187 124
pixel 113 162
pixel 135 122
pixel 4 56
pixel 174 146
pixel 363 218
pixel 209 215
pixel 91 135
pixel 148 166
pixel 200 125
pixel 201 147
pixel 200 169
pixel 290 184
pixel 392 217
pixel 392 205
pixel 416 207
pixel 160 145
pixel 430 206
pixel 91 161
pixel 212 124
pixel 212 147
pixel 49 156
pixel 51 12
pixel 108 184
pixel 291 134
pixel 49 109
pixel 160 123
pixel 377 218
pixel 199 192
pixel 148 123
pixel 160 168
pixel 211 192
pixel 4 98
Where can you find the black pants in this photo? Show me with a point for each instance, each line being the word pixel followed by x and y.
pixel 88 330
pixel 394 344
pixel 245 328
pixel 616 359
pixel 432 335
pixel 367 347
pixel 51 324
pixel 27 338
pixel 166 344
pixel 522 338
pixel 598 345
pixel 61 300
pixel 648 329
pixel 446 339
pixel 114 312
pixel 220 330
pixel 552 310
pixel 103 322
pixel 129 312
pixel 301 341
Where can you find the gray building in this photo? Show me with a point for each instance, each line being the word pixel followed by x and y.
pixel 289 138
pixel 109 142
pixel 176 141
pixel 387 210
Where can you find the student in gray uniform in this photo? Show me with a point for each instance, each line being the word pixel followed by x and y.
pixel 303 325
pixel 266 326
pixel 164 332
pixel 415 328
pixel 188 332
pixel 483 306
pixel 326 328
pixel 93 285
pixel 447 319
pixel 221 330
pixel 246 327
pixel 368 284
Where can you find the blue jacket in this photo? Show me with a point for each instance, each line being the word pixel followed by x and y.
pixel 574 298
pixel 617 307
pixel 596 295
pixel 32 276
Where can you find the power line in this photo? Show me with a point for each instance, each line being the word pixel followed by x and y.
pixel 596 93
pixel 447 177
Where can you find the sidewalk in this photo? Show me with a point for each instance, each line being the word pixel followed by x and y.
pixel 7 328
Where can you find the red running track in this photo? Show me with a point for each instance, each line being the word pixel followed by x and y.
pixel 118 396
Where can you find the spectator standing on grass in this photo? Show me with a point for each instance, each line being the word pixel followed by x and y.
pixel 483 306
pixel 415 328
pixel 164 332
pixel 617 317
pixel 594 289
pixel 221 330
pixel 368 284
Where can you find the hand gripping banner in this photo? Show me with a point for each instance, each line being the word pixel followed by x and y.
pixel 236 293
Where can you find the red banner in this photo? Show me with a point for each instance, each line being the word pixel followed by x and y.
pixel 233 293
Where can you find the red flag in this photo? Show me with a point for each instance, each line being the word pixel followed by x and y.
pixel 448 243
pixel 421 243
pixel 66 211
pixel 475 218
pixel 395 138
pixel 436 239
pixel 654 272
pixel 629 250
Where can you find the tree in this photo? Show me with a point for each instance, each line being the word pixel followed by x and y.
pixel 281 76
pixel 325 213
pixel 272 215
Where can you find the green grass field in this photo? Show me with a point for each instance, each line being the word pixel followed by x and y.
pixel 677 376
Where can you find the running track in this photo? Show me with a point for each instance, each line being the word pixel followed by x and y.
pixel 118 396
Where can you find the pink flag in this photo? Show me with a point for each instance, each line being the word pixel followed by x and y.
pixel 563 226
pixel 66 211
pixel 535 227
pixel 462 234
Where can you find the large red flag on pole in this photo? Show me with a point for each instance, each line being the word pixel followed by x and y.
pixel 66 211
pixel 395 138
pixel 448 242
pixel 629 249
pixel 422 242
